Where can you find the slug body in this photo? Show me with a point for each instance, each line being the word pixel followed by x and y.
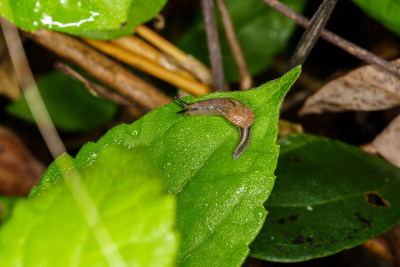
pixel 234 110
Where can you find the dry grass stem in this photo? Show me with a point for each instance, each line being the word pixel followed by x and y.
pixel 137 46
pixel 107 71
pixel 190 85
pixel 187 62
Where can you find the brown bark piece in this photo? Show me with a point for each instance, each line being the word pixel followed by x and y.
pixel 367 88
pixel 19 170
pixel 388 142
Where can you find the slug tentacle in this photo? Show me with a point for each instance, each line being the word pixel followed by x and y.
pixel 234 110
pixel 181 101
pixel 244 142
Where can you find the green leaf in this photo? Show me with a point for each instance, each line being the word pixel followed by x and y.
pixel 329 196
pixel 115 18
pixel 111 213
pixel 6 207
pixel 70 105
pixel 262 33
pixel 140 12
pixel 385 11
pixel 220 199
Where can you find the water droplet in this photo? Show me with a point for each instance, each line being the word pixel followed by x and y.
pixel 48 20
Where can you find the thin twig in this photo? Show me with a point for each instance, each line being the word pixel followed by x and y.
pixel 246 81
pixel 312 33
pixel 92 86
pixel 70 174
pixel 213 45
pixel 187 62
pixel 30 90
pixel 190 85
pixel 336 40
pixel 105 70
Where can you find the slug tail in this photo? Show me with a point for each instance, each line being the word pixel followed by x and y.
pixel 244 142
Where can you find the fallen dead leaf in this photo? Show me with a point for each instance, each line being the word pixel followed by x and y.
pixel 388 142
pixel 9 83
pixel 288 127
pixel 369 148
pixel 19 170
pixel 380 247
pixel 366 89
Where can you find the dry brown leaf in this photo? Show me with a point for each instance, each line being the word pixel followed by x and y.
pixel 388 142
pixel 367 88
pixel 288 127
pixel 380 247
pixel 9 83
pixel 19 170
pixel 369 148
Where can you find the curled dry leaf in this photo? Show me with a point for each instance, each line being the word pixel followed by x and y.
pixel 19 170
pixel 388 142
pixel 367 88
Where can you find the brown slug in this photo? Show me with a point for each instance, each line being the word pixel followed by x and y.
pixel 234 110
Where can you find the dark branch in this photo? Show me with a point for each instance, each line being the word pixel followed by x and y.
pixel 213 45
pixel 336 40
pixel 311 35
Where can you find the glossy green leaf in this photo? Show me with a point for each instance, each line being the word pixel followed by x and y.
pixel 220 199
pixel 99 18
pixel 6 207
pixel 385 11
pixel 140 12
pixel 111 213
pixel 262 33
pixel 329 196
pixel 70 105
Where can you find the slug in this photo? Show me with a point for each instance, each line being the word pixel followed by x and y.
pixel 234 110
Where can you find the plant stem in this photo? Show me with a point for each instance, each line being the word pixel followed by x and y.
pixel 336 40
pixel 312 33
pixel 213 45
pixel 246 81
pixel 30 90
